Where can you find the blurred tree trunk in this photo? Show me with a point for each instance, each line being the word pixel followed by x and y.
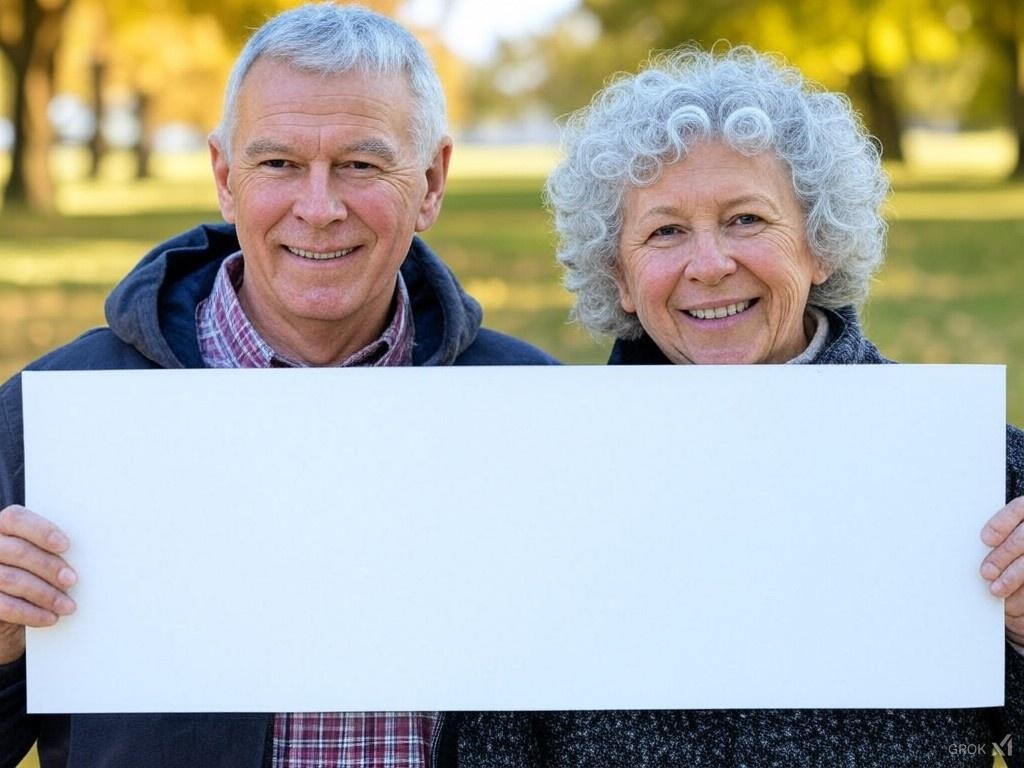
pixel 1002 22
pixel 144 144
pixel 1008 40
pixel 31 48
pixel 1015 100
pixel 881 114
pixel 96 143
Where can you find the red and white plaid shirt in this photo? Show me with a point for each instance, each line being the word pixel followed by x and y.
pixel 320 739
pixel 353 739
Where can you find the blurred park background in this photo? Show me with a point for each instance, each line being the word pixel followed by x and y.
pixel 105 104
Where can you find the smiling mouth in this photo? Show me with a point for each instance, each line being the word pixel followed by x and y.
pixel 715 313
pixel 320 255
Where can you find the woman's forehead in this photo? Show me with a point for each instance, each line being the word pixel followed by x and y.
pixel 715 171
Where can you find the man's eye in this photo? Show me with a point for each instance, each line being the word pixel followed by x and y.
pixel 275 163
pixel 359 165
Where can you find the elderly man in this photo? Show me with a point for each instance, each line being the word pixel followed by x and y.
pixel 332 153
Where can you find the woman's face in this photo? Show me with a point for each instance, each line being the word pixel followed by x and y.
pixel 714 261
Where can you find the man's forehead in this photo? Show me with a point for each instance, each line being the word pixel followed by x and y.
pixel 277 86
pixel 282 103
pixel 355 77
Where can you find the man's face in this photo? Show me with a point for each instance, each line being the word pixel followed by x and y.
pixel 326 189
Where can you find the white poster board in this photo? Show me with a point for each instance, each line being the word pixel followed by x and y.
pixel 519 538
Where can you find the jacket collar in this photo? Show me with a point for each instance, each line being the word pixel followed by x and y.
pixel 846 344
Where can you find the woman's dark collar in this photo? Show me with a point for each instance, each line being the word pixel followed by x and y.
pixel 640 351
pixel 843 325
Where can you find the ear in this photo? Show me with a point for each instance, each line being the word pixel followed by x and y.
pixel 625 297
pixel 221 175
pixel 820 274
pixel 437 176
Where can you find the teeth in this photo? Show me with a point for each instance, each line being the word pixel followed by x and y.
pixel 320 256
pixel 729 311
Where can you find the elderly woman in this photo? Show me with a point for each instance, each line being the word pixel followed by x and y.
pixel 716 208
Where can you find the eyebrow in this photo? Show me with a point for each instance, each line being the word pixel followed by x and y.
pixel 660 210
pixel 260 147
pixel 754 198
pixel 671 210
pixel 377 147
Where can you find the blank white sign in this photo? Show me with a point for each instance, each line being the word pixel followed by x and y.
pixel 519 538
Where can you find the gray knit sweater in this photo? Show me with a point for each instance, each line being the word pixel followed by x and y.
pixel 754 738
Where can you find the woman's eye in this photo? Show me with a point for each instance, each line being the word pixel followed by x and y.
pixel 746 219
pixel 666 231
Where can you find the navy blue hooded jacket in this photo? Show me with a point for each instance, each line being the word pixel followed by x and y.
pixel 151 316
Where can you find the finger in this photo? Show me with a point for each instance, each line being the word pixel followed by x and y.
pixel 1003 523
pixel 1015 630
pixel 23 523
pixel 1010 580
pixel 14 610
pixel 25 556
pixel 999 558
pixel 17 583
pixel 1013 607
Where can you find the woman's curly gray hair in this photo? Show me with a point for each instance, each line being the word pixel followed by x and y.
pixel 640 123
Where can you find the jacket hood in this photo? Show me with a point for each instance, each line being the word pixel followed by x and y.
pixel 846 344
pixel 154 307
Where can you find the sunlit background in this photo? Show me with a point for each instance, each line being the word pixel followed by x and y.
pixel 116 99
pixel 118 96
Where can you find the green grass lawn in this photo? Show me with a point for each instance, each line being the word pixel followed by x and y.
pixel 949 291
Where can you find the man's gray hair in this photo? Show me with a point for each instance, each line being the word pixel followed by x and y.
pixel 640 123
pixel 329 39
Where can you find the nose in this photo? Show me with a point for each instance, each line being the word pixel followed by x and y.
pixel 709 263
pixel 320 200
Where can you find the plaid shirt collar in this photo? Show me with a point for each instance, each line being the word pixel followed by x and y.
pixel 228 340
